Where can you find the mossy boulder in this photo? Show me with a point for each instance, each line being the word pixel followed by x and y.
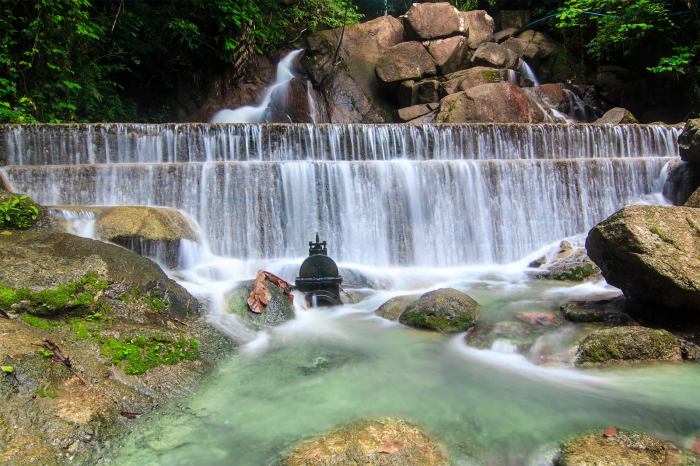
pixel 652 253
pixel 393 308
pixel 279 310
pixel 628 344
pixel 386 442
pixel 623 448
pixel 445 310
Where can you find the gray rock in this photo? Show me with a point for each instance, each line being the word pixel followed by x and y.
pixel 652 253
pixel 393 308
pixel 480 27
pixel 494 55
pixel 277 311
pixel 501 36
pixel 408 60
pixel 689 141
pixel 466 79
pixel 616 116
pixel 445 310
pixel 449 54
pixel 425 21
pixel 413 112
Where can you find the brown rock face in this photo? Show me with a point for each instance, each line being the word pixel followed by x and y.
pixel 652 253
pixel 386 442
pixel 494 55
pixel 350 89
pixel 427 21
pixel 449 54
pixel 617 116
pixel 408 60
pixel 480 27
pixel 689 141
pixel 466 79
pixel 500 102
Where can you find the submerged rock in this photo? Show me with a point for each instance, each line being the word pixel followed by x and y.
pixel 652 253
pixel 387 442
pixel 445 310
pixel 621 447
pixel 542 318
pixel 508 334
pixel 393 308
pixel 628 344
pixel 689 141
pixel 279 310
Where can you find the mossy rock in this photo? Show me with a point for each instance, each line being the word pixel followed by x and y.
pixel 385 442
pixel 279 310
pixel 624 448
pixel 628 344
pixel 445 310
pixel 393 308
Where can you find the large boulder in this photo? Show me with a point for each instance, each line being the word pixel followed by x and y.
pixel 278 310
pixel 148 231
pixel 480 27
pixel 387 442
pixel 472 77
pixel 408 60
pixel 652 253
pixel 550 59
pixel 689 141
pixel 619 447
pixel 495 56
pixel 628 344
pixel 449 54
pixel 617 116
pixel 347 78
pixel 393 308
pixel 498 102
pixel 445 310
pixel 425 21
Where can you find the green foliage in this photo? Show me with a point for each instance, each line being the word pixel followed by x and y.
pixel 157 304
pixel 17 211
pixel 468 5
pixel 37 322
pixel 83 60
pixel 141 354
pixel 72 295
pixel 7 369
pixel 683 61
pixel 44 353
pixel 47 391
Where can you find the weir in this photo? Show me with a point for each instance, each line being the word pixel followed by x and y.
pixel 382 195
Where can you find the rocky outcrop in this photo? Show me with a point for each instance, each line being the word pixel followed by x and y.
pixel 449 54
pixel 388 442
pixel 499 102
pixel 445 310
pixel 426 21
pixel 479 26
pixel 689 141
pixel 346 77
pixel 616 116
pixel 128 338
pixel 620 447
pixel 393 308
pixel 408 60
pixel 652 253
pixel 472 77
pixel 493 55
pixel 279 310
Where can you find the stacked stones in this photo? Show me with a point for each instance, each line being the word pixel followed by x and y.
pixel 451 68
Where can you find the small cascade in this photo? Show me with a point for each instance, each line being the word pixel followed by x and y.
pixel 259 113
pixel 528 73
pixel 77 222
pixel 313 105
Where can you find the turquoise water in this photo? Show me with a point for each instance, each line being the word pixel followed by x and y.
pixel 331 366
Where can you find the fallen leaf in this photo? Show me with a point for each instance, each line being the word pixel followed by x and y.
pixel 610 432
pixel 696 446
pixel 389 446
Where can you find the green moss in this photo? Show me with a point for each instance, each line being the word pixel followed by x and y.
pixel 46 391
pixel 663 236
pixel 577 274
pixel 18 211
pixel 156 304
pixel 37 322
pixel 72 295
pixel 140 354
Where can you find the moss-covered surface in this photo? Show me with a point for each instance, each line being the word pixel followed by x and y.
pixel 445 310
pixel 628 344
pixel 576 274
pixel 624 448
pixel 388 442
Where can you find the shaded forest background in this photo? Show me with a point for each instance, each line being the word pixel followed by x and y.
pixel 126 60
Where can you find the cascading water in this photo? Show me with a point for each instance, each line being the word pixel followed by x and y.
pixel 528 72
pixel 259 113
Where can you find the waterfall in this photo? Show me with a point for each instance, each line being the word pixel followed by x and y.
pixel 381 194
pixel 528 72
pixel 254 114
